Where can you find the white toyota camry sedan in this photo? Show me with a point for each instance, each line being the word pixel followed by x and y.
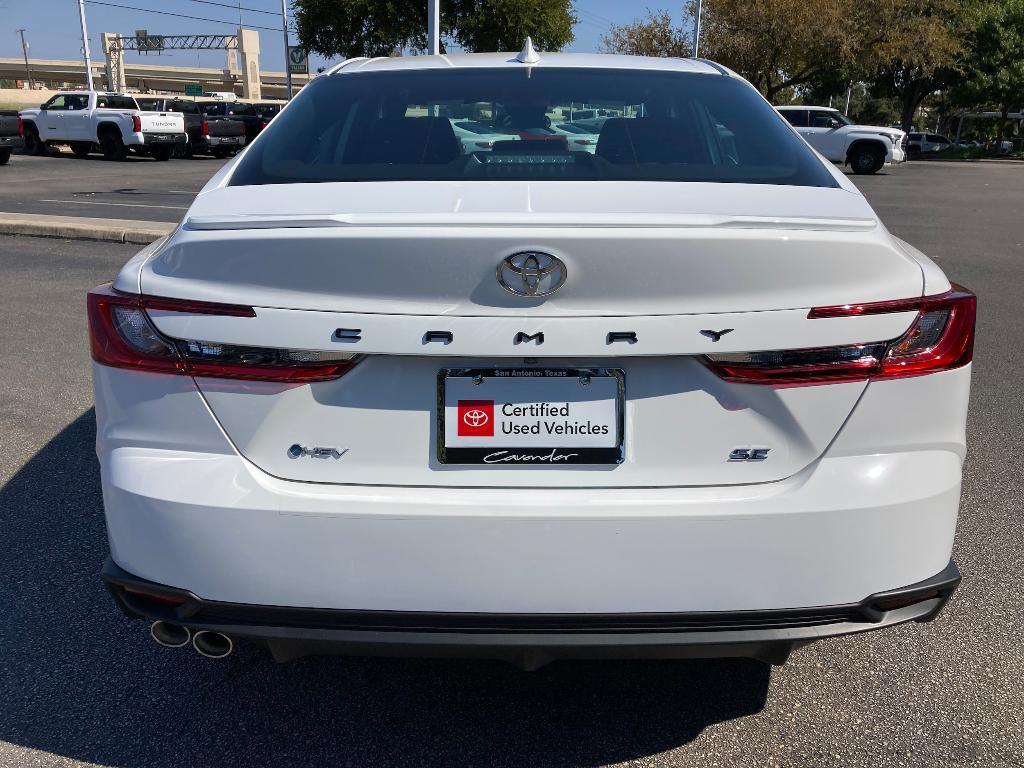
pixel 679 394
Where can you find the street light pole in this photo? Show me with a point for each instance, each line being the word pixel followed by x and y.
pixel 433 26
pixel 24 51
pixel 287 57
pixel 85 44
pixel 696 31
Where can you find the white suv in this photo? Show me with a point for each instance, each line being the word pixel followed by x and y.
pixel 681 395
pixel 865 148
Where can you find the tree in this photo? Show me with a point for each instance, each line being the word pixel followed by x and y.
pixel 652 36
pixel 923 51
pixel 786 45
pixel 352 28
pixel 994 72
pixel 780 44
pixel 504 25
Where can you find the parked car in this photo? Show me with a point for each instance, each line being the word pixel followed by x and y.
pixel 579 135
pixel 111 122
pixel 865 148
pixel 925 143
pixel 245 113
pixel 217 136
pixel 685 396
pixel 479 136
pixel 11 134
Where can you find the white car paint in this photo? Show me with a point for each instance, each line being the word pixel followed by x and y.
pixel 859 495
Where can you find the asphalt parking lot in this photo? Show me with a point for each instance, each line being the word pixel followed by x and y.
pixel 137 188
pixel 82 685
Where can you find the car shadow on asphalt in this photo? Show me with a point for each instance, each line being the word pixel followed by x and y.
pixel 81 681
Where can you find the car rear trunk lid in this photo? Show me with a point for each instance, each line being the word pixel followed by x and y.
pixel 663 262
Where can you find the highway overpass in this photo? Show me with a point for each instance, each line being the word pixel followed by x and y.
pixel 162 78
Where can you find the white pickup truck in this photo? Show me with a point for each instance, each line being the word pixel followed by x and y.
pixel 110 122
pixel 866 148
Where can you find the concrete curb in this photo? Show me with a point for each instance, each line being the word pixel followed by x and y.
pixel 81 228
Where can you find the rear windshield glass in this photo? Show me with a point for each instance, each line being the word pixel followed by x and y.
pixel 113 101
pixel 530 124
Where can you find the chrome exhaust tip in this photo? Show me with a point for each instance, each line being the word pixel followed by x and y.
pixel 169 635
pixel 212 645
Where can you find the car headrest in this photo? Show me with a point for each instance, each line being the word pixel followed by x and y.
pixel 631 141
pixel 405 140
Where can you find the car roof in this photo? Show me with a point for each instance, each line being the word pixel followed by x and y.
pixel 805 107
pixel 508 60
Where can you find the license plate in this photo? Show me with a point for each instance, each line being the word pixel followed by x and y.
pixel 229 140
pixel 530 416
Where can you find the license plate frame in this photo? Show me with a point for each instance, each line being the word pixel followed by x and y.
pixel 541 456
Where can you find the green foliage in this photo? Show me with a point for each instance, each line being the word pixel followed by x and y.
pixel 380 27
pixel 651 36
pixel 786 47
pixel 994 73
pixel 503 25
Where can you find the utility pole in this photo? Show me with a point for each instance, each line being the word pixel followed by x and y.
pixel 849 96
pixel 24 51
pixel 696 31
pixel 433 27
pixel 85 44
pixel 287 57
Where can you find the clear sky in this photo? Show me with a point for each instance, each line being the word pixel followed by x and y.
pixel 52 29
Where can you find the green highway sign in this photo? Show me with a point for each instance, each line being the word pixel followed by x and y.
pixel 193 89
pixel 298 60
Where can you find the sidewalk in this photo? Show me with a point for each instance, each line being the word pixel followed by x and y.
pixel 81 228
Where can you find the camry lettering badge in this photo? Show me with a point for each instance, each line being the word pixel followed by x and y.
pixel 716 335
pixel 532 274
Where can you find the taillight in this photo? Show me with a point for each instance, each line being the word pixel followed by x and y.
pixel 205 127
pixel 21 126
pixel 264 124
pixel 941 338
pixel 121 335
pixel 136 124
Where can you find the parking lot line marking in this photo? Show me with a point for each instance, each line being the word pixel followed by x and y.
pixel 119 205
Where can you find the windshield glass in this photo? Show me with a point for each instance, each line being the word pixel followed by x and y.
pixel 530 124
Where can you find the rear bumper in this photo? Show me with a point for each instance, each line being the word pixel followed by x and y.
pixel 531 640
pixel 216 526
pixel 225 141
pixel 149 139
pixel 183 509
pixel 11 142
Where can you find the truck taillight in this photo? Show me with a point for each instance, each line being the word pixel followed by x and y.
pixel 941 338
pixel 205 127
pixel 136 124
pixel 21 126
pixel 121 335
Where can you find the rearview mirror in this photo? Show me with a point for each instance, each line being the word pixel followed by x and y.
pixel 42 106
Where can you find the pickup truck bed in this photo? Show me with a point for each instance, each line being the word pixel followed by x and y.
pixel 217 136
pixel 244 113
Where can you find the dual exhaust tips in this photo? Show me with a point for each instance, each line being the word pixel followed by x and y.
pixel 212 645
